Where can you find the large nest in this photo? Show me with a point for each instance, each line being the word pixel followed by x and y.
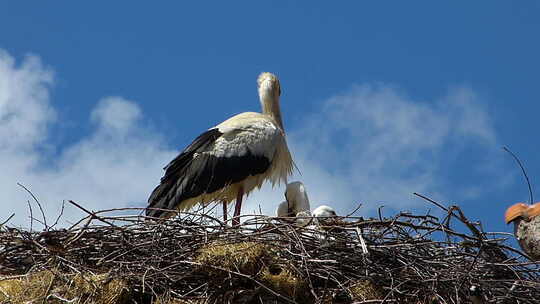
pixel 196 258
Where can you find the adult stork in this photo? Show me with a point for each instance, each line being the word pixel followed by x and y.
pixel 526 227
pixel 229 160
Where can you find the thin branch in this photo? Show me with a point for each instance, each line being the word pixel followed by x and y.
pixel 37 202
pixel 31 216
pixel 8 219
pixel 524 173
pixel 59 215
pixel 354 211
pixel 92 214
pixel 431 201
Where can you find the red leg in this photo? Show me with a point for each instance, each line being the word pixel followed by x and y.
pixel 238 207
pixel 224 211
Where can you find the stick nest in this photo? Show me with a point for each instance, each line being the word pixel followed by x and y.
pixel 195 258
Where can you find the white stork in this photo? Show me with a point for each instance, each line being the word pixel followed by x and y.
pixel 297 205
pixel 228 160
pixel 324 211
pixel 296 200
pixel 323 214
pixel 526 227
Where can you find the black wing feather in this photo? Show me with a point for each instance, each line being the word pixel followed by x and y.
pixel 187 176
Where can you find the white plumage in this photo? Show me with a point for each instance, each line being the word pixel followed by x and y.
pixel 297 205
pixel 228 160
pixel 304 218
pixel 296 200
pixel 324 211
pixel 324 214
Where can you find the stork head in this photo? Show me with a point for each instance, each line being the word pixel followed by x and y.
pixel 521 211
pixel 269 92
pixel 268 84
pixel 324 211
pixel 296 196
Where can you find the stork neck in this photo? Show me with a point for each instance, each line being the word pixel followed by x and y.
pixel 270 106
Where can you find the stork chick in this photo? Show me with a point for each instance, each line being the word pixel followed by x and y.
pixel 324 211
pixel 296 204
pixel 526 227
pixel 324 214
pixel 296 200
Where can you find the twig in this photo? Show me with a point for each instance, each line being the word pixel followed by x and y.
pixel 524 173
pixel 37 202
pixel 9 218
pixel 247 277
pixel 362 241
pixel 92 214
pixel 48 289
pixel 59 215
pixel 355 209
pixel 31 216
pixel 431 201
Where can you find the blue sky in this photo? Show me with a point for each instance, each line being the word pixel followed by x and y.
pixel 379 99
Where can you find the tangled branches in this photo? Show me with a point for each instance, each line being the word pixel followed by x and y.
pixel 195 257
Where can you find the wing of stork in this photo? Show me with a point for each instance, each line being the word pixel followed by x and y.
pixel 244 145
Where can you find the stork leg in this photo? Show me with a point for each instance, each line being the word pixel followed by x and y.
pixel 224 211
pixel 238 207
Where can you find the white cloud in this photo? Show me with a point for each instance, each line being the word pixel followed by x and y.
pixel 116 165
pixel 374 145
pixel 371 144
pixel 116 115
pixel 24 108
